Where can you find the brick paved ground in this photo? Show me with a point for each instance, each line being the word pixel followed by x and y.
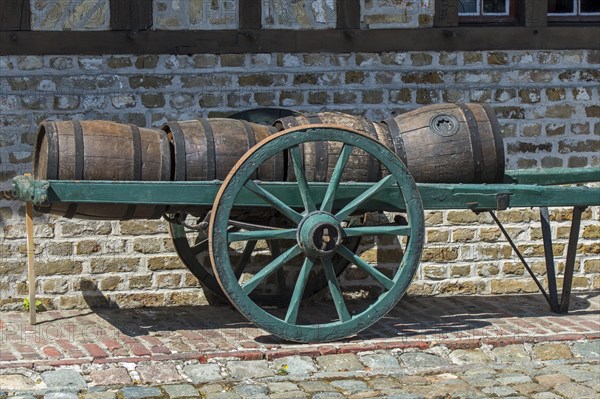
pixel 454 347
pixel 204 332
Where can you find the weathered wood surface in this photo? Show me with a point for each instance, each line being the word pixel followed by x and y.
pixel 101 150
pixel 272 40
pixel 320 157
pixel 207 149
pixel 449 143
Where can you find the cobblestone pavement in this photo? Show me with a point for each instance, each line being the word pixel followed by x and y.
pixel 545 370
pixel 454 347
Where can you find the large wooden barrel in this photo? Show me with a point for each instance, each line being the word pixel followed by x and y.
pixel 101 150
pixel 449 143
pixel 319 158
pixel 207 149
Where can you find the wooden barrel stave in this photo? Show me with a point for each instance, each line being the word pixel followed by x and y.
pixel 208 149
pixel 320 158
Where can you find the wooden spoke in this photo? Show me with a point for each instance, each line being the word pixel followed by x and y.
pixel 367 268
pixel 307 200
pixel 271 234
pixel 274 201
pixel 358 201
pixel 244 259
pixel 336 292
pixel 378 231
pixel 266 271
pixel 292 312
pixel 336 176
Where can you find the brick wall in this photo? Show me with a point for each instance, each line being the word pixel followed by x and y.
pixel 546 102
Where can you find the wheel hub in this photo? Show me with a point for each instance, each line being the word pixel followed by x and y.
pixel 319 234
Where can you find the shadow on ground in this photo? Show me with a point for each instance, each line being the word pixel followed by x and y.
pixel 427 318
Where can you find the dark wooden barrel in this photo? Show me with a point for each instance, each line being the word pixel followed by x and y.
pixel 320 157
pixel 101 150
pixel 263 116
pixel 207 149
pixel 449 143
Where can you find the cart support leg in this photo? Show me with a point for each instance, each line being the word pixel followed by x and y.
pixel 30 261
pixel 551 296
pixel 550 268
pixel 570 261
pixel 521 258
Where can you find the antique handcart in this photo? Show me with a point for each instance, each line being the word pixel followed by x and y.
pixel 311 228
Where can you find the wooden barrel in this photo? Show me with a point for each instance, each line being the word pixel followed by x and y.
pixel 449 143
pixel 320 157
pixel 101 150
pixel 263 116
pixel 207 149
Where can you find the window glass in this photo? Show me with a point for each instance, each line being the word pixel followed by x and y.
pixel 590 6
pixel 495 7
pixel 477 8
pixel 561 6
pixel 468 7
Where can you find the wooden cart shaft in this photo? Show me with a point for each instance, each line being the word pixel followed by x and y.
pixel 477 197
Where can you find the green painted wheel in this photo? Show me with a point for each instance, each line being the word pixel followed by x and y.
pixel 192 245
pixel 315 235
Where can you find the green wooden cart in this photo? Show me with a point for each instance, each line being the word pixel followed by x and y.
pixel 316 230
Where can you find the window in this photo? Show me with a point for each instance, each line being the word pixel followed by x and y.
pixel 486 11
pixel 573 10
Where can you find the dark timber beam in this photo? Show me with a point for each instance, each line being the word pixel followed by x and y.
pixel 255 40
pixel 130 15
pixel 250 13
pixel 15 15
pixel 348 14
pixel 534 12
pixel 446 13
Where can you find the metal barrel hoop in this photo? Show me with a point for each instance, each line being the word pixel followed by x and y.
pixel 317 233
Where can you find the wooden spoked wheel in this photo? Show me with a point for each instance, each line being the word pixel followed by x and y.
pixel 192 245
pixel 316 235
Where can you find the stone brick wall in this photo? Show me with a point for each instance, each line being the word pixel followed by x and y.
pixel 380 14
pixel 303 14
pixel 195 14
pixel 57 15
pixel 546 102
